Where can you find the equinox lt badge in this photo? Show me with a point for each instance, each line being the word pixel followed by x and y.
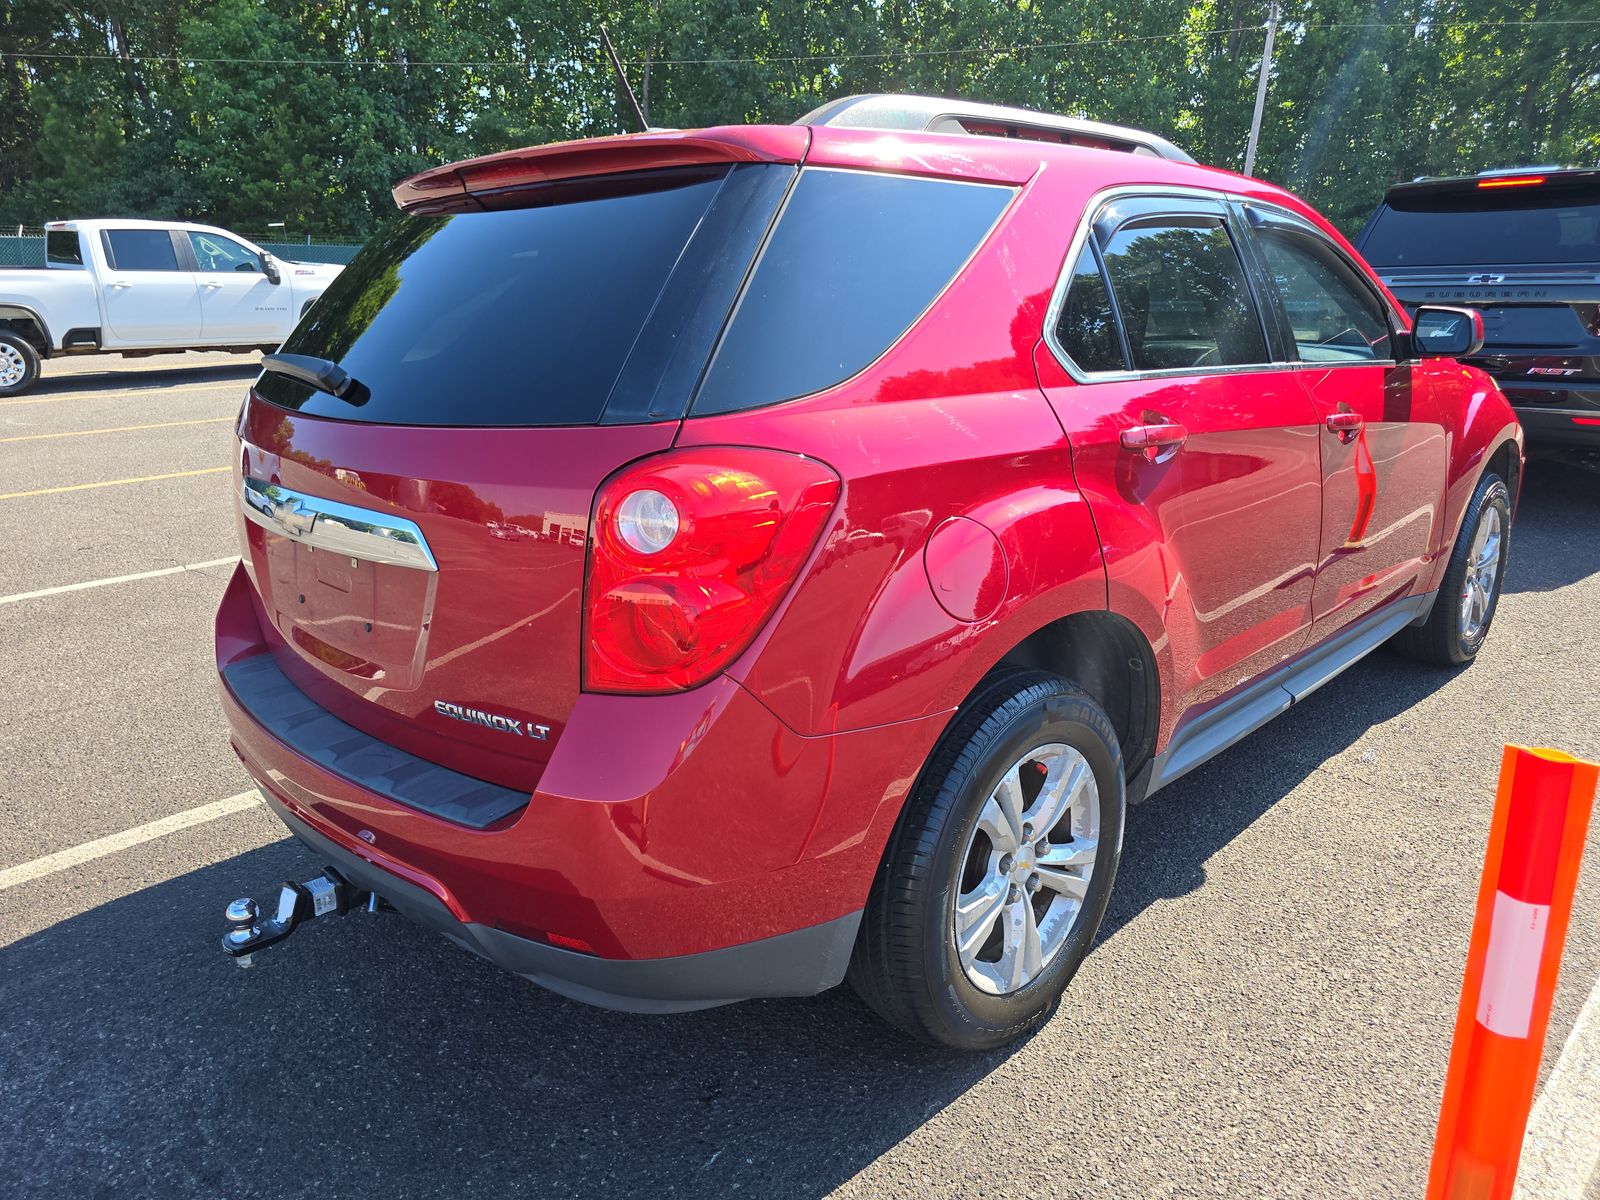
pixel 476 716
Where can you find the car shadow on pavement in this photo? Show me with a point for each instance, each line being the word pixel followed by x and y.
pixel 1171 835
pixel 113 380
pixel 135 1059
pixel 355 1060
pixel 1556 538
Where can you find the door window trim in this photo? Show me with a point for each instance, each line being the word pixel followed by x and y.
pixel 1259 214
pixel 1166 200
pixel 181 250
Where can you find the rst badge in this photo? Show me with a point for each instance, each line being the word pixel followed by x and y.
pixel 476 716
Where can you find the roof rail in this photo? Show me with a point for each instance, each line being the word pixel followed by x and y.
pixel 932 114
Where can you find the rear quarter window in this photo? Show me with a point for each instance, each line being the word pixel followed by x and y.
pixel 855 259
pixel 62 248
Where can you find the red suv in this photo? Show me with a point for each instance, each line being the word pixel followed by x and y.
pixel 887 511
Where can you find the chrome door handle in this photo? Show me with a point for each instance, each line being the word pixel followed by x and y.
pixel 119 284
pixel 1158 442
pixel 339 528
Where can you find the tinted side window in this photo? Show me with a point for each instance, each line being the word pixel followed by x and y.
pixel 1333 317
pixel 142 250
pixel 61 247
pixel 1181 291
pixel 855 259
pixel 1087 330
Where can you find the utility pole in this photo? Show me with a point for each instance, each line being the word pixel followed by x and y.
pixel 1261 90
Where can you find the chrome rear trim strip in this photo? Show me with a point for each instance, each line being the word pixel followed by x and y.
pixel 338 528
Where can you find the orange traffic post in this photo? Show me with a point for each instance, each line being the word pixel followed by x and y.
pixel 1541 816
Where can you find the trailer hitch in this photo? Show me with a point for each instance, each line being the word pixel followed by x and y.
pixel 324 895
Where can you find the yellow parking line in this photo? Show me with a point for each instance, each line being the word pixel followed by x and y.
pixel 153 390
pixel 80 487
pixel 43 437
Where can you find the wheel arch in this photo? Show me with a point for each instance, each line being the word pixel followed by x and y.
pixel 1108 656
pixel 25 322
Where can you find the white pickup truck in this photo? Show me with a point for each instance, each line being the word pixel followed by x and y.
pixel 147 287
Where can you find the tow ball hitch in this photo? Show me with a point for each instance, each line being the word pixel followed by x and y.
pixel 327 894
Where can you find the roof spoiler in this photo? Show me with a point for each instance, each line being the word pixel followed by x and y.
pixel 932 114
pixel 446 186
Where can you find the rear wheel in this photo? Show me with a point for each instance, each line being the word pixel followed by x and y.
pixel 1470 591
pixel 19 364
pixel 997 877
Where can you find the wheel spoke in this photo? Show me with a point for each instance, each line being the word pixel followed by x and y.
pixel 1008 795
pixel 1063 787
pixel 976 913
pixel 1489 552
pixel 1022 957
pixel 994 822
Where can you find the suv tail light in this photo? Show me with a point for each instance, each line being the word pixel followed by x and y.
pixel 692 551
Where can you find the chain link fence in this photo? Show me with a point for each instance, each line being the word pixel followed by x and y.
pixel 21 246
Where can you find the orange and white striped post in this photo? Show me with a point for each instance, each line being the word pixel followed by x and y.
pixel 1541 816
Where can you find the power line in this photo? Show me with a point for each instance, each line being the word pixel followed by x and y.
pixel 1418 27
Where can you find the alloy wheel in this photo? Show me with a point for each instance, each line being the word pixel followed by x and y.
pixel 1026 869
pixel 1483 573
pixel 12 365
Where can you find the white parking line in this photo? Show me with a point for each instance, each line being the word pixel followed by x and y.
pixel 94 583
pixel 78 855
pixel 46 437
pixel 1561 1151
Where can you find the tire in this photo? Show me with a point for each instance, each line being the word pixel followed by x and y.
pixel 1456 628
pixel 19 364
pixel 907 966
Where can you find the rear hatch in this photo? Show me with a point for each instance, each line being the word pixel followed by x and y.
pixel 418 547
pixel 1523 248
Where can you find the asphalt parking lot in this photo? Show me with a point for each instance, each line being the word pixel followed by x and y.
pixel 1268 1012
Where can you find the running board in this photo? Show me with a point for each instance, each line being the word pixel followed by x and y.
pixel 1213 731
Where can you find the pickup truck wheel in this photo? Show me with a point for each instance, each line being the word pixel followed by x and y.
pixel 1470 591
pixel 19 364
pixel 998 873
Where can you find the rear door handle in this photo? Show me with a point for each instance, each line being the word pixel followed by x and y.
pixel 211 283
pixel 1157 442
pixel 1345 423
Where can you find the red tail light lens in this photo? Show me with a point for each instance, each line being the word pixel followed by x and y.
pixel 692 551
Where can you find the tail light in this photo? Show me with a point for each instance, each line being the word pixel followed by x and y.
pixel 692 551
pixel 1589 316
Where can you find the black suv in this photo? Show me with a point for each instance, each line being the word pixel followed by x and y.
pixel 1522 247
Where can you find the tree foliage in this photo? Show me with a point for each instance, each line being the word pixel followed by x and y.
pixel 246 112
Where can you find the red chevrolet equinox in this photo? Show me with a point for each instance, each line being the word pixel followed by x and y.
pixel 702 565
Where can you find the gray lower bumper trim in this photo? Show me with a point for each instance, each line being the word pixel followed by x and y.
pixel 801 963
pixel 310 730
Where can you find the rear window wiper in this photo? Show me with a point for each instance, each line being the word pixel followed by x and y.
pixel 319 373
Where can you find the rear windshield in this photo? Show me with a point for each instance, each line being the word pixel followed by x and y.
pixel 1505 227
pixel 855 259
pixel 521 316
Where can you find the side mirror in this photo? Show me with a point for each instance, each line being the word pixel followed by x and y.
pixel 1443 332
pixel 269 268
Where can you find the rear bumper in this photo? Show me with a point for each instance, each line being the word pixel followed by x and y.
pixel 1558 426
pixel 1559 412
pixel 697 849
pixel 791 964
